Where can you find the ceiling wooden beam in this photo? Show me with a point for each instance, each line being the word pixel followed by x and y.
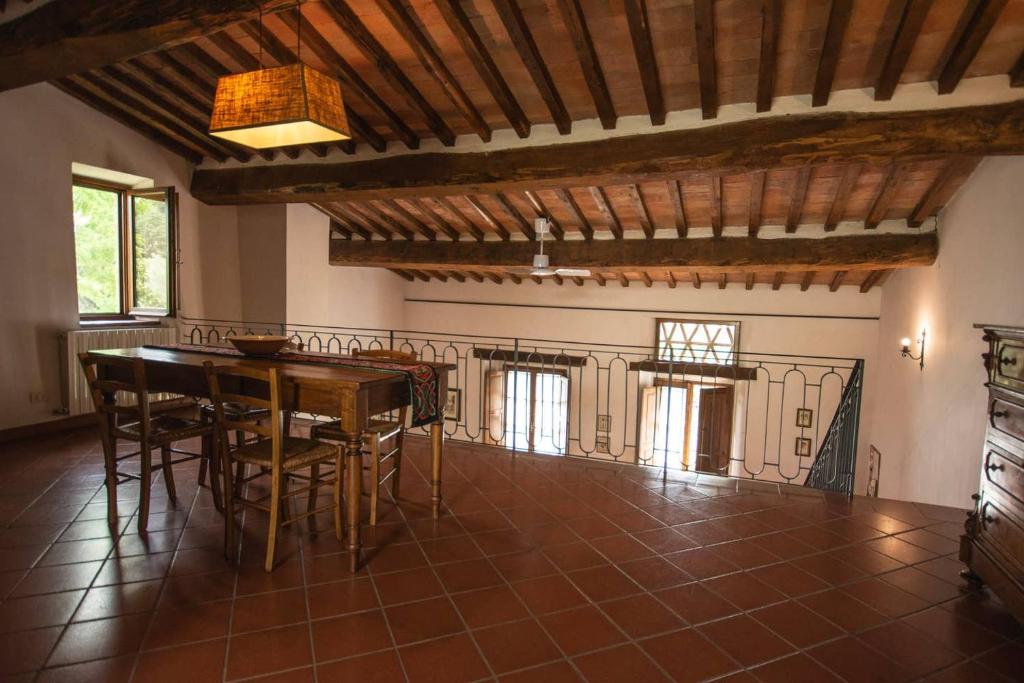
pixel 576 25
pixel 723 280
pixel 976 22
pixel 871 280
pixel 646 277
pixel 623 280
pixel 704 26
pixel 382 219
pixel 807 280
pixel 342 221
pixel 558 279
pixel 939 191
pixel 578 281
pixel 457 276
pixel 410 218
pixel 749 283
pixel 675 195
pixel 461 219
pixel 785 141
pixel 354 217
pixel 756 197
pixel 643 50
pixel 715 197
pixel 522 39
pixel 837 280
pixel 796 200
pixel 771 21
pixel 842 196
pixel 374 52
pixel 911 19
pixel 1017 72
pixel 402 274
pixel 492 222
pixel 557 231
pixel 605 208
pixel 636 198
pixel 777 280
pixel 426 207
pixel 403 20
pixel 475 276
pixel 420 275
pixel 600 279
pixel 569 202
pixel 59 39
pixel 710 255
pixel 460 25
pixel 337 227
pixel 894 174
pixel 517 217
pixel 670 279
pixel 831 47
pixel 348 75
pixel 695 279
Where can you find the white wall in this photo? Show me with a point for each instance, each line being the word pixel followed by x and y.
pixel 44 131
pixel 930 424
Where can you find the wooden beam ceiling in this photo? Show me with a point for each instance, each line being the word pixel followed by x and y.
pixel 745 146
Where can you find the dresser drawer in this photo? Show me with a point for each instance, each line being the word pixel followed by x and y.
pixel 1005 417
pixel 1004 472
pixel 1007 363
pixel 1002 530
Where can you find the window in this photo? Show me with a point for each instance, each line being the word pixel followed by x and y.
pixel 124 245
pixel 529 409
pixel 697 341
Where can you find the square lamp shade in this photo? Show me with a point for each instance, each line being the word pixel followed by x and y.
pixel 285 105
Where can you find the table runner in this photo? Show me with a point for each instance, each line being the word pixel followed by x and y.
pixel 422 377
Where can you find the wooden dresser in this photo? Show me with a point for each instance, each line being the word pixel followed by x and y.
pixel 993 545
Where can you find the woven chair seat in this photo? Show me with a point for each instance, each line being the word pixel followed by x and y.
pixel 238 411
pixel 332 430
pixel 165 429
pixel 296 452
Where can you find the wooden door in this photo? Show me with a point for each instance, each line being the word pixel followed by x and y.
pixel 714 432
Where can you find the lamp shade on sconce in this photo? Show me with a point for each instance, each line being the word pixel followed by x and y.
pixel 278 107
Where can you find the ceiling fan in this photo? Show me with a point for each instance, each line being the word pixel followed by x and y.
pixel 541 263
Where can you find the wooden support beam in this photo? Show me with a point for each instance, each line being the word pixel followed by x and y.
pixel 494 277
pixel 410 218
pixel 715 194
pixel 646 277
pixel 756 197
pixel 578 281
pixel 604 206
pixel 704 26
pixel 636 198
pixel 518 218
pixel 838 18
pixel 623 280
pixel 911 19
pixel 375 54
pixel 796 200
pixel 670 279
pixel 420 275
pixel 785 141
pixel 348 75
pixel 340 229
pixel 558 279
pixel 837 280
pixel 771 21
pixel 806 281
pixel 342 221
pixel 871 280
pixel 1017 72
pixel 600 279
pixel 842 196
pixel 939 191
pixel 709 255
pixel 438 275
pixel 894 174
pixel 475 275
pixel 519 32
pixel 492 222
pixel 777 280
pixel 427 208
pixel 643 50
pixel 404 21
pixel 236 52
pixel 536 278
pixel 457 276
pixel 59 39
pixel 576 25
pixel 675 195
pixel 402 274
pixel 469 225
pixel 473 45
pixel 541 210
pixel 569 202
pixel 976 22
pixel 695 279
pixel 749 284
pixel 382 219
pixel 723 280
pixel 516 279
pixel 363 221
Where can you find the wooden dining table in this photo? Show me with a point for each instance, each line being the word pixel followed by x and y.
pixel 365 393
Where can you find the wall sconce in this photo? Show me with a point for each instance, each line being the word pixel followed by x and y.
pixel 905 348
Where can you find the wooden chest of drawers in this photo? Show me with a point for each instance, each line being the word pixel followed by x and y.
pixel 993 545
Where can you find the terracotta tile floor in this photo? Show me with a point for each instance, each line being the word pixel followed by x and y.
pixel 542 569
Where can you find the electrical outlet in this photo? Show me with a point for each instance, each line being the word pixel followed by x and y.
pixel 604 423
pixel 37 397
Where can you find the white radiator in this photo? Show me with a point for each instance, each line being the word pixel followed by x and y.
pixel 76 399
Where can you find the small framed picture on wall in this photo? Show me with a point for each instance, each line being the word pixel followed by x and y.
pixel 804 417
pixel 803 447
pixel 453 405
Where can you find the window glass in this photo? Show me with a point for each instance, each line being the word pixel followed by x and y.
pixel 693 341
pixel 150 252
pixel 97 223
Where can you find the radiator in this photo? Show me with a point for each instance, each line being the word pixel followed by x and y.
pixel 76 398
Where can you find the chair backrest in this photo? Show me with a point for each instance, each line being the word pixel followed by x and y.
pixel 256 387
pixel 383 354
pixel 108 375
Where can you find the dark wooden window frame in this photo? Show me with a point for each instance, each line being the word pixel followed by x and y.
pixel 535 370
pixel 126 253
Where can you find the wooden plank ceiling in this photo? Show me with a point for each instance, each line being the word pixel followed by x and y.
pixel 419 70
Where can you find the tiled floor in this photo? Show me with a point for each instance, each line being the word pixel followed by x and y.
pixel 542 569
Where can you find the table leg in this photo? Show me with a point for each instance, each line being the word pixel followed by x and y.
pixel 354 465
pixel 436 446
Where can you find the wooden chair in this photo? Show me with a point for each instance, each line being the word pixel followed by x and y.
pixel 277 455
pixel 379 431
pixel 134 423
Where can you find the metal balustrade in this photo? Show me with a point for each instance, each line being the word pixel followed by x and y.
pixel 761 416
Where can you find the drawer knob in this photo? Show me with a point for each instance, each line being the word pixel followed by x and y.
pixel 996 468
pixel 1000 413
pixel 989 519
pixel 1008 360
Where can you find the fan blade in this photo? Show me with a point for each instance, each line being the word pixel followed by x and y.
pixel 573 272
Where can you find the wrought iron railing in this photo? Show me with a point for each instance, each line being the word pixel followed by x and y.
pixel 833 468
pixel 747 415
